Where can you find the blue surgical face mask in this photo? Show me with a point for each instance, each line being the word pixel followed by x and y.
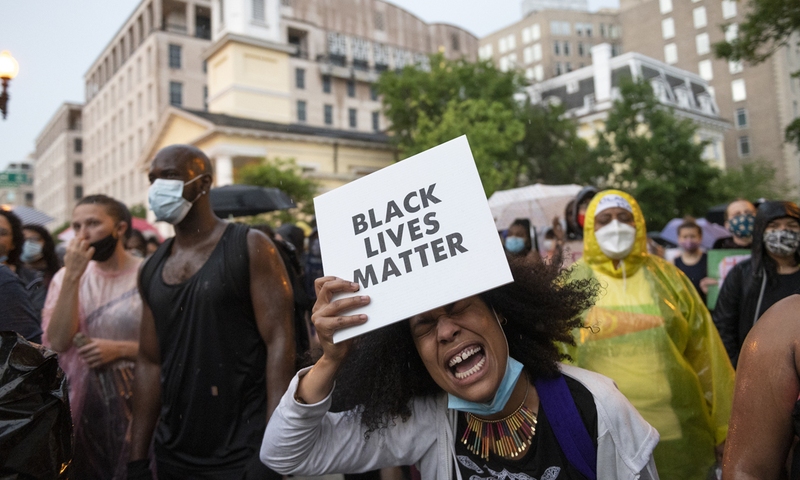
pixel 515 244
pixel 167 202
pixel 513 371
pixel 31 251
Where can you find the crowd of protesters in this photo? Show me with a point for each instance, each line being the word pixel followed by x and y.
pixel 210 355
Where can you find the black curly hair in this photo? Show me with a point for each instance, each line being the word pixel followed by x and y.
pixel 16 236
pixel 384 371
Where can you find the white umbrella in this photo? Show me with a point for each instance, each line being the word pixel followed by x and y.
pixel 538 203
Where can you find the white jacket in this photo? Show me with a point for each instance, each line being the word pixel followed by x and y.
pixel 308 440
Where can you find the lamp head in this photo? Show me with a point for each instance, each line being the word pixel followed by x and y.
pixel 9 68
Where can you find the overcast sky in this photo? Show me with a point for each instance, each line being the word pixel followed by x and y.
pixel 55 41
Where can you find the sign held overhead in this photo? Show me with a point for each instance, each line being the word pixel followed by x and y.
pixel 415 236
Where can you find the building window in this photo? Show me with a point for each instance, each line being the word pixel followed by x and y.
pixel 373 93
pixel 379 21
pixel 738 91
pixel 259 12
pixel 174 56
pixel 744 146
pixel 699 16
pixel 205 97
pixel 328 114
pixel 556 48
pixel 351 88
pixel 326 84
pixel 536 32
pixel 703 44
pixel 353 118
pixel 568 67
pixel 376 121
pixel 735 67
pixel 705 70
pixel 581 51
pixel 538 72
pixel 559 28
pixel 728 9
pixel 566 49
pixel 741 118
pixel 301 111
pixel 558 68
pixel 665 6
pixel 671 53
pixel 78 192
pixel 455 43
pixel 78 145
pixel 731 32
pixel 537 52
pixel 176 94
pixel 667 28
pixel 78 169
pixel 616 49
pixel 300 78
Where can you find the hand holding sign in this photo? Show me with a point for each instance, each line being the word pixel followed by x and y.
pixel 414 236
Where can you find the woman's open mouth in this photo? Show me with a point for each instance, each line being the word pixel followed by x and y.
pixel 467 362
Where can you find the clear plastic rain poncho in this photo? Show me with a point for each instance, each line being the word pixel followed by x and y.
pixel 101 398
pixel 651 333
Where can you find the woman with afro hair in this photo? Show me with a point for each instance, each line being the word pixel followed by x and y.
pixel 465 390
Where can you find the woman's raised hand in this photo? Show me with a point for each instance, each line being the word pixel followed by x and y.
pixel 328 316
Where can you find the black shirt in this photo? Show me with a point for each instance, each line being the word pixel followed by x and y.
pixel 774 292
pixel 16 312
pixel 544 459
pixel 695 272
pixel 727 243
pixel 213 360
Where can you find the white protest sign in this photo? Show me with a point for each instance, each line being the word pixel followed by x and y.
pixel 415 235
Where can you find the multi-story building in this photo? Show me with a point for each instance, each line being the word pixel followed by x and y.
pixel 155 60
pixel 58 159
pixel 16 184
pixel 337 50
pixel 162 57
pixel 303 87
pixel 588 94
pixel 552 38
pixel 758 100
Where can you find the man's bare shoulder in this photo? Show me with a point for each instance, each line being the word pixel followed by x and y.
pixel 259 245
pixel 780 324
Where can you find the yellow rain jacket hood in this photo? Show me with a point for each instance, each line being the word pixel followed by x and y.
pixel 652 334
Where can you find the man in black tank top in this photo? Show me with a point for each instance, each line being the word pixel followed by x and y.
pixel 217 311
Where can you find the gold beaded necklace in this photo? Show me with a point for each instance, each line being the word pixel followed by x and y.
pixel 506 437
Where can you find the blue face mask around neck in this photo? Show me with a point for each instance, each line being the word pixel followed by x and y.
pixel 513 371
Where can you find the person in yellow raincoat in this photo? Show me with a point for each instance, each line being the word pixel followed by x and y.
pixel 650 332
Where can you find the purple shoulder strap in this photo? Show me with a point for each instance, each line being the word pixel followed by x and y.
pixel 568 427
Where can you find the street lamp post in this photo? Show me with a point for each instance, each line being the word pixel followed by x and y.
pixel 9 68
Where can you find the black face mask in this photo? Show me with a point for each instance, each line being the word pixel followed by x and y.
pixel 104 248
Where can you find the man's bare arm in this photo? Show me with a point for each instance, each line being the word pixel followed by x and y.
pixel 146 387
pixel 767 386
pixel 273 306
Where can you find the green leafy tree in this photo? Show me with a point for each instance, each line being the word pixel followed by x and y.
pixel 413 92
pixel 287 176
pixel 492 131
pixel 139 211
pixel 655 157
pixel 768 26
pixel 752 180
pixel 513 143
pixel 552 151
